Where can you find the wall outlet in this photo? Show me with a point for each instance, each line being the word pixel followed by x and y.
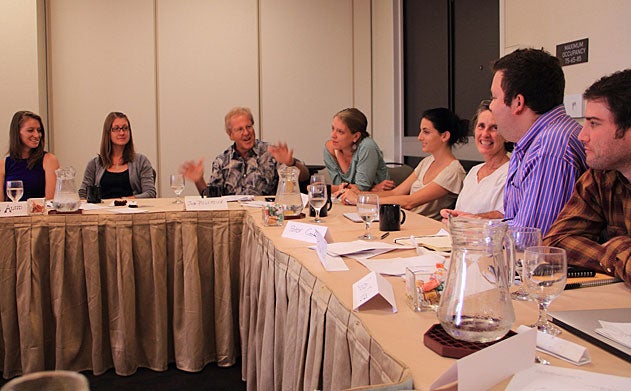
pixel 574 105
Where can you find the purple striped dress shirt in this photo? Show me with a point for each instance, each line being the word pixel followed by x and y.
pixel 542 170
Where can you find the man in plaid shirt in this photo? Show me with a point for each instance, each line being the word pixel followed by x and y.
pixel 595 225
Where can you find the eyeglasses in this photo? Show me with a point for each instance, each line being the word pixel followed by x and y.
pixel 117 129
pixel 242 129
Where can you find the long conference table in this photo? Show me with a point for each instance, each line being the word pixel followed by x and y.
pixel 103 290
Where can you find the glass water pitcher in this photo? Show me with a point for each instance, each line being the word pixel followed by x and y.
pixel 476 304
pixel 66 196
pixel 288 192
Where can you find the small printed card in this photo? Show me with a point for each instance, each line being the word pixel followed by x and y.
pixel 11 209
pixel 330 263
pixel 560 348
pixel 372 285
pixel 199 203
pixel 305 232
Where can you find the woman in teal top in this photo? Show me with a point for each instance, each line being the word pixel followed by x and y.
pixel 352 158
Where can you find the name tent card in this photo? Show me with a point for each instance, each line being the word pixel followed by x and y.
pixel 509 356
pixel 10 209
pixel 305 232
pixel 199 203
pixel 371 285
pixel 330 263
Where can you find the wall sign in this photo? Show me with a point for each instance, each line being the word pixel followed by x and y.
pixel 574 52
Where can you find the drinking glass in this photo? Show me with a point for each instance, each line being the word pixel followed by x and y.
pixel 317 198
pixel 177 184
pixel 544 273
pixel 368 210
pixel 317 178
pixel 15 190
pixel 523 237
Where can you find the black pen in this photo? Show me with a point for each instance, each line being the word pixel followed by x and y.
pixel 385 235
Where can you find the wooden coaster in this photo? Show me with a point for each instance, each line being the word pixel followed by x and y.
pixel 437 339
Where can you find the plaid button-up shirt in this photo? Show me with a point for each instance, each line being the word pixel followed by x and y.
pixel 595 225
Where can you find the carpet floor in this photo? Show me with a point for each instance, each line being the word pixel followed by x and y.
pixel 211 378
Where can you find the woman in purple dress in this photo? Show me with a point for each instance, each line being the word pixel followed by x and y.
pixel 27 160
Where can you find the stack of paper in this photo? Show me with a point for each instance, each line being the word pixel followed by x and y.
pixel 432 242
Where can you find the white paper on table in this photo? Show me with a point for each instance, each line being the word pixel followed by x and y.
pixel 128 210
pixel 330 263
pixel 255 204
pixel 549 378
pixel 354 217
pixel 370 286
pixel 560 348
pixel 357 246
pixel 305 200
pixel 238 197
pixel 363 255
pixel 439 240
pixel 305 232
pixel 89 206
pixel 474 372
pixel 397 266
pixel 615 331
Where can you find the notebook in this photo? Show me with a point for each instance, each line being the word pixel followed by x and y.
pixel 586 282
pixel 584 323
pixel 579 271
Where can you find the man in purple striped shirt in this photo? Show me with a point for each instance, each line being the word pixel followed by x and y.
pixel 595 225
pixel 527 103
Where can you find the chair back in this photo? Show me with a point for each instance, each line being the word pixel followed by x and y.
pixel 399 172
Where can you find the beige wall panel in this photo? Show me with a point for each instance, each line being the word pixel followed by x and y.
pixel 207 64
pixel 383 80
pixel 102 57
pixel 544 23
pixel 362 58
pixel 19 78
pixel 306 71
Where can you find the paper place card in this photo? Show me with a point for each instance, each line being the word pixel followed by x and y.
pixel 199 203
pixel 560 348
pixel 549 378
pixel 372 285
pixel 305 232
pixel 509 356
pixel 10 209
pixel 330 263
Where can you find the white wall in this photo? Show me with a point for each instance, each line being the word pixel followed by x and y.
pixel 177 67
pixel 306 70
pixel 20 79
pixel 545 23
pixel 101 59
pixel 207 63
